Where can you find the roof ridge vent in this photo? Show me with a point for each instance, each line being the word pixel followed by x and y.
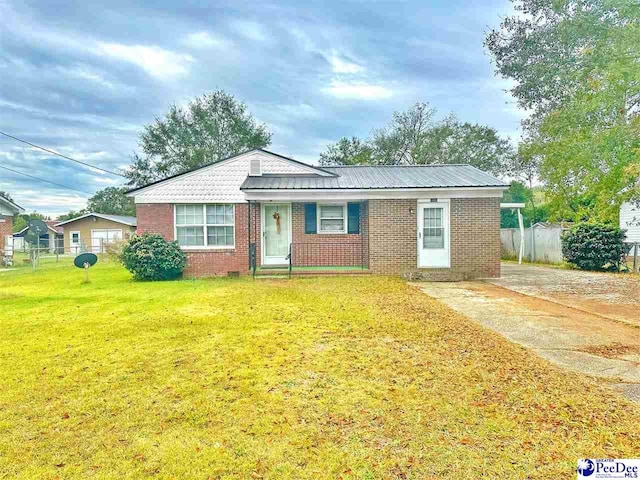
pixel 255 167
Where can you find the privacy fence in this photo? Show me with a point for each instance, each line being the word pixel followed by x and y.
pixel 541 243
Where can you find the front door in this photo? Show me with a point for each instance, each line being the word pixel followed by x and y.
pixel 433 234
pixel 276 233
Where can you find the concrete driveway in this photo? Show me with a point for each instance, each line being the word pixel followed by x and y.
pixel 586 322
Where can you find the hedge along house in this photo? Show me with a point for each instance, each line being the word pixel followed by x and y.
pixel 261 209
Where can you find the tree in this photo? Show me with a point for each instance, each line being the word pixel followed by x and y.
pixel 209 128
pixel 347 151
pixel 111 201
pixel 71 215
pixel 575 65
pixel 414 137
pixel 22 220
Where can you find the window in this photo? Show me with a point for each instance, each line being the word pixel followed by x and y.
pixel 75 237
pixel 433 230
pixel 205 225
pixel 331 218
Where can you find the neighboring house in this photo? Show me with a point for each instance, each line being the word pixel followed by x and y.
pixel 92 232
pixel 630 221
pixel 437 222
pixel 52 240
pixel 8 210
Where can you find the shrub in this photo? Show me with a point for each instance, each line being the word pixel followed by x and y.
pixel 594 247
pixel 151 257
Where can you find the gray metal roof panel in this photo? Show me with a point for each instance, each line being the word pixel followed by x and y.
pixel 379 177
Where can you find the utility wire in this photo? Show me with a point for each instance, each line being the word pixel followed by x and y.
pixel 43 180
pixel 62 156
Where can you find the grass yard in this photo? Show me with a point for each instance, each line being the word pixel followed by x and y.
pixel 351 378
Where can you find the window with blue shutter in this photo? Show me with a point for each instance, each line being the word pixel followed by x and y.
pixel 310 219
pixel 353 213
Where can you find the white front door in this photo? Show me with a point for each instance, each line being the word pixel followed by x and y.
pixel 276 233
pixel 433 234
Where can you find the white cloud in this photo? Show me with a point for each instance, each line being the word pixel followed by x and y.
pixel 357 90
pixel 202 40
pixel 341 66
pixel 155 61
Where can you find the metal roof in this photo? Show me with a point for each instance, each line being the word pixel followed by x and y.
pixel 379 177
pixel 131 221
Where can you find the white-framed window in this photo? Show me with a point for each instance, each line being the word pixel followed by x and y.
pixel 433 230
pixel 211 226
pixel 332 218
pixel 75 237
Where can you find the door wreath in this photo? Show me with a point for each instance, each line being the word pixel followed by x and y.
pixel 276 217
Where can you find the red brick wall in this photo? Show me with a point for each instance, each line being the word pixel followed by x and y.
pixel 328 249
pixel 390 248
pixel 158 218
pixel 475 239
pixel 6 228
pixel 155 218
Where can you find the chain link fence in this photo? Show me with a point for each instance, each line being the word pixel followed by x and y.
pixel 17 252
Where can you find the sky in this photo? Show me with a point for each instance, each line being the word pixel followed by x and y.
pixel 83 78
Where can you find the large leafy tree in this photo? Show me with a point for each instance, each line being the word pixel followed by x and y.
pixel 347 151
pixel 576 66
pixel 415 137
pixel 111 200
pixel 209 128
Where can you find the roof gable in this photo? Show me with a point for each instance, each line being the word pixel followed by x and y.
pixel 9 207
pixel 130 221
pixel 220 182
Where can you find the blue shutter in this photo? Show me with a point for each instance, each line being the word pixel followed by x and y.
pixel 310 218
pixel 353 213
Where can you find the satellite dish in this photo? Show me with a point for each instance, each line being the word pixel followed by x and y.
pixel 37 226
pixel 85 260
pixel 89 258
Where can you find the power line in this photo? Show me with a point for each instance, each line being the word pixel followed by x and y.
pixel 43 180
pixel 61 155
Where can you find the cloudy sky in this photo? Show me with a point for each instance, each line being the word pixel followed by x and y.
pixel 83 77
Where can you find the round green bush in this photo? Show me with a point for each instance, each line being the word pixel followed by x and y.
pixel 594 246
pixel 151 257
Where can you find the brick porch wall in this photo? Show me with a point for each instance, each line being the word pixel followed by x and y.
pixel 158 218
pixel 6 228
pixel 475 239
pixel 322 250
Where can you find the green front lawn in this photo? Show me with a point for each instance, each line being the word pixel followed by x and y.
pixel 359 377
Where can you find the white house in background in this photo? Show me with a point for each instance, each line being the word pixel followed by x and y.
pixel 630 220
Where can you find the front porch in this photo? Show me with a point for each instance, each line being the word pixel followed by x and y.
pixel 297 238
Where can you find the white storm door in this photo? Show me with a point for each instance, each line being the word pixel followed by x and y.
pixel 433 235
pixel 276 233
